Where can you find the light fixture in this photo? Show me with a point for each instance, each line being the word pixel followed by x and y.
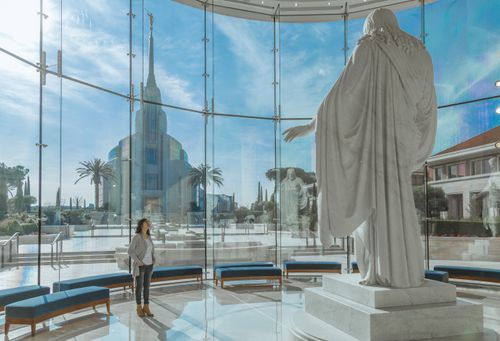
pixel 329 4
pixel 498 110
pixel 497 145
pixel 497 84
pixel 296 4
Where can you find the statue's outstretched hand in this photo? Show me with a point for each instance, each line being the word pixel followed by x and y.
pixel 291 133
pixel 294 132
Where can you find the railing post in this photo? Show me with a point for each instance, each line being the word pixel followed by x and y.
pixel 52 254
pixel 2 256
pixel 10 250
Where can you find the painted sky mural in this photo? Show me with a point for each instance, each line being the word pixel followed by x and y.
pixel 463 38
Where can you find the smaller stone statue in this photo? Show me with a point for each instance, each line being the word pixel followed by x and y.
pixel 293 199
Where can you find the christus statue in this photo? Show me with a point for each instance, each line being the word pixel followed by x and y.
pixel 490 197
pixel 376 125
pixel 293 199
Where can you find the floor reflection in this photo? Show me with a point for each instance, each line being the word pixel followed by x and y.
pixel 191 311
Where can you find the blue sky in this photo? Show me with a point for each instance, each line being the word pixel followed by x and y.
pixel 463 39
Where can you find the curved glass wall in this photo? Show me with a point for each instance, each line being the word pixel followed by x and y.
pixel 175 113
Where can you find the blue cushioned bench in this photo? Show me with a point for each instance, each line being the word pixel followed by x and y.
pixel 311 266
pixel 240 265
pixel 441 276
pixel 8 296
pixel 41 308
pixel 114 280
pixel 247 273
pixel 470 273
pixel 171 273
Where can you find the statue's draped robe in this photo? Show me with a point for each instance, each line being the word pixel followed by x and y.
pixel 373 129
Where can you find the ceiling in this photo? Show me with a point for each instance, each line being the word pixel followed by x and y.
pixel 298 10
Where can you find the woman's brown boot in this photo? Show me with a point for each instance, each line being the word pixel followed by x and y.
pixel 147 311
pixel 140 311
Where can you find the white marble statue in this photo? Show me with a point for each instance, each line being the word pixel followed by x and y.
pixel 376 125
pixel 293 199
pixel 490 196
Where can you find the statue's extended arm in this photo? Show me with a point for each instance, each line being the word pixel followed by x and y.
pixel 298 131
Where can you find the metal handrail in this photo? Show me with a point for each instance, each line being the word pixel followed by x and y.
pixel 9 241
pixel 58 242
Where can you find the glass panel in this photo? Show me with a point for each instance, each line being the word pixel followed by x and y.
pixel 298 206
pixel 169 191
pixel 19 116
pixel 86 210
pixel 20 27
pixel 463 206
pixel 243 66
pixel 241 204
pixel 465 53
pixel 95 42
pixel 178 32
pixel 311 60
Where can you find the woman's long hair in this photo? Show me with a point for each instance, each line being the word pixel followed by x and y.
pixel 139 226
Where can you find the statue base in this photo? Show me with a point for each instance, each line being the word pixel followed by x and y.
pixel 346 310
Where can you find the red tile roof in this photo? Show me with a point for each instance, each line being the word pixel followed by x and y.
pixel 490 136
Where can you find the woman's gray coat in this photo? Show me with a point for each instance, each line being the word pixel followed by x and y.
pixel 137 251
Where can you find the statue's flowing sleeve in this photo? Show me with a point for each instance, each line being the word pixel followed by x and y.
pixel 426 119
pixel 343 135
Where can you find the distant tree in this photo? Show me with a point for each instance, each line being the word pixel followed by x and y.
pixel 307 177
pixel 436 200
pixel 97 170
pixel 241 213
pixel 198 174
pixel 58 197
pixel 11 181
pixel 4 189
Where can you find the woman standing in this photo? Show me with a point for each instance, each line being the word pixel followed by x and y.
pixel 142 250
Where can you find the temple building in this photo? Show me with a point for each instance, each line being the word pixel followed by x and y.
pixel 160 184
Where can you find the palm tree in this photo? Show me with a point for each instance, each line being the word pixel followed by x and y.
pixel 197 176
pixel 97 170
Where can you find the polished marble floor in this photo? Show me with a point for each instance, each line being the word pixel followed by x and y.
pixel 191 311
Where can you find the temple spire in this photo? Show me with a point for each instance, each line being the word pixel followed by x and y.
pixel 151 72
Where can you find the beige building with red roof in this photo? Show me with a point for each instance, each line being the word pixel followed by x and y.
pixel 466 173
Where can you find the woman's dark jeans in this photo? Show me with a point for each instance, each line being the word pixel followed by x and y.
pixel 143 281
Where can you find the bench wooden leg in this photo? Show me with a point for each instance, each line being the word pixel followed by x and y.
pixel 33 328
pixel 7 326
pixel 280 280
pixel 222 284
pixel 108 307
pixel 286 274
pixel 216 282
pixel 93 307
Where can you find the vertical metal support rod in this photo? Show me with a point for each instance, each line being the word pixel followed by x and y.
pixel 426 179
pixel 276 135
pixel 205 119
pixel 130 113
pixel 426 221
pixel 59 61
pixel 213 110
pixel 346 47
pixel 40 144
pixel 422 21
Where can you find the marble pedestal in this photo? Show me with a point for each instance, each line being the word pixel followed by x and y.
pixel 376 313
